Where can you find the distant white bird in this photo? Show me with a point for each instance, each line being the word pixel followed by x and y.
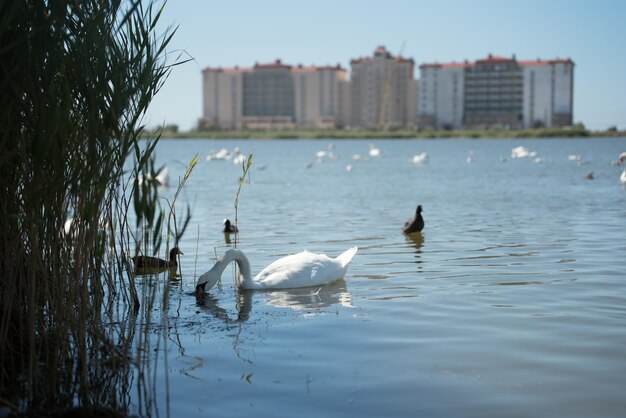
pixel 222 154
pixel 374 151
pixel 357 157
pixel 293 271
pixel 67 226
pixel 419 158
pixel 574 157
pixel 538 160
pixel 522 152
pixel 349 167
pixel 470 157
pixel 622 178
pixel 162 177
pixel 239 159
pixel 321 154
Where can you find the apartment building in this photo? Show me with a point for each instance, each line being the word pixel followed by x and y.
pixel 319 98
pixel 274 96
pixel 548 93
pixel 496 91
pixel 383 90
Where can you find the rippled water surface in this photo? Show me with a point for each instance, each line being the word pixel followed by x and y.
pixel 512 302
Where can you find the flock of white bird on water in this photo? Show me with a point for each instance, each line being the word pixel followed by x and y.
pixel 374 152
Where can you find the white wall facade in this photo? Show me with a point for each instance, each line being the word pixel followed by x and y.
pixel 548 93
pixel 441 95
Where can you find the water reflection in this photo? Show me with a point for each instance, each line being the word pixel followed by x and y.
pixel 416 240
pixel 309 298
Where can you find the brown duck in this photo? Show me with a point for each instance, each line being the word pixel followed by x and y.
pixel 153 265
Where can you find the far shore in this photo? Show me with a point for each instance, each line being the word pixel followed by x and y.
pixel 567 132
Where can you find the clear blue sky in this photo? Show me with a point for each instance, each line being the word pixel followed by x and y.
pixel 227 33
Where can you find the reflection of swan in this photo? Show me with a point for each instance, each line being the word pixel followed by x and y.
pixel 416 223
pixel 296 299
pixel 211 303
pixel 298 270
pixel 310 298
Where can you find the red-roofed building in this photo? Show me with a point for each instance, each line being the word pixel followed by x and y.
pixel 496 91
pixel 273 96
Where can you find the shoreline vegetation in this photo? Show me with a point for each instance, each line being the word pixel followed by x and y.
pixel 78 198
pixel 576 131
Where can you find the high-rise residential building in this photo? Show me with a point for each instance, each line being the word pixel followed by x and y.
pixel 548 92
pixel 318 96
pixel 273 96
pixel 383 90
pixel 496 91
pixel 222 97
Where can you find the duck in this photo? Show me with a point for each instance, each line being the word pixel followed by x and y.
pixel 416 223
pixel 299 270
pixel 153 265
pixel 228 227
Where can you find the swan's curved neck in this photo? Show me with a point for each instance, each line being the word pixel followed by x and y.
pixel 245 274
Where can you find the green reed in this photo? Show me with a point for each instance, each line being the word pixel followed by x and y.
pixel 75 81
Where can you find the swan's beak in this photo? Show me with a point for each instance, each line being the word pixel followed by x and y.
pixel 200 289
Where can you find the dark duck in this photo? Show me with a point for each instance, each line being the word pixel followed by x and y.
pixel 228 227
pixel 416 223
pixel 153 265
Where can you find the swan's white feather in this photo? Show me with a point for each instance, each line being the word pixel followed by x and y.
pixel 299 270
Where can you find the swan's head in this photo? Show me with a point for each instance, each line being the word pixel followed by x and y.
pixel 206 282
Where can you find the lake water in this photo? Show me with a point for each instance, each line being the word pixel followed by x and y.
pixel 511 303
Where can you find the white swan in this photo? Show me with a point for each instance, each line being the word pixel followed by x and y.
pixel 374 151
pixel 522 152
pixel 622 178
pixel 419 159
pixel 293 271
pixel 162 177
